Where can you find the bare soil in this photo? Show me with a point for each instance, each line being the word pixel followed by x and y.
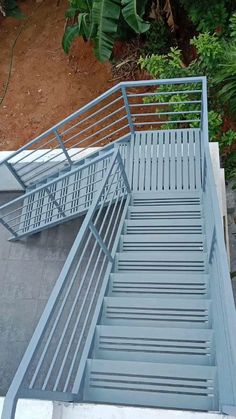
pixel 45 85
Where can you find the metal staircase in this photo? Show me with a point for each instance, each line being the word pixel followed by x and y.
pixel 154 344
pixel 142 312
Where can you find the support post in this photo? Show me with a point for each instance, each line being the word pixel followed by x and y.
pixel 127 108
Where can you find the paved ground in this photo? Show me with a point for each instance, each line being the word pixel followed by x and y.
pixel 28 270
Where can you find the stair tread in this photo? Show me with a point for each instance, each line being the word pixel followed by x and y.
pixel 152 384
pixel 173 277
pixel 153 344
pixel 158 255
pixel 163 312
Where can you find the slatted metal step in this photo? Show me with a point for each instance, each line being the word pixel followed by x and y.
pixel 158 312
pixel 167 212
pixel 162 242
pixel 160 261
pixel 151 384
pixel 150 284
pixel 163 226
pixel 153 344
pixel 167 160
pixel 166 198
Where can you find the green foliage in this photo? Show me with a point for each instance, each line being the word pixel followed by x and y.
pixel 214 123
pixel 233 27
pixel 226 78
pixel 228 138
pixel 210 50
pixel 105 17
pixel 230 166
pixel 208 16
pixel 130 13
pixel 101 21
pixel 11 8
pixel 159 39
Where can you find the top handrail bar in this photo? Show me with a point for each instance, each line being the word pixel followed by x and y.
pixel 95 101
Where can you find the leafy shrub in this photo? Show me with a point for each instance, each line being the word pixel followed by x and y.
pixel 228 138
pixel 210 50
pixel 101 21
pixel 226 78
pixel 207 16
pixel 233 27
pixel 159 39
pixel 214 123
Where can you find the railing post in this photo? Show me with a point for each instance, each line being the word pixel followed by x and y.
pixel 63 147
pixel 127 108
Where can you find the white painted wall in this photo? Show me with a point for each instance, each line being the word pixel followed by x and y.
pixel 38 409
pixel 93 411
pixel 32 409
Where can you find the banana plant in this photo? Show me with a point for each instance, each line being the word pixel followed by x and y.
pixel 99 21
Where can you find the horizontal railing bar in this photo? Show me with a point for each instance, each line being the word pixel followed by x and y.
pixel 50 150
pixel 167 122
pixel 60 162
pixel 91 115
pixel 184 80
pixel 94 124
pixel 100 140
pixel 162 93
pixel 135 105
pixel 165 113
pixel 37 149
pixel 98 132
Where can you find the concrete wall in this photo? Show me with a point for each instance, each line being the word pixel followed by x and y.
pixel 36 409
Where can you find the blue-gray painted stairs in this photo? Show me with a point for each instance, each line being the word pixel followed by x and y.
pixel 142 313
pixel 154 344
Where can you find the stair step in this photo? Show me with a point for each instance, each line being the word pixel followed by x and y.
pixel 160 261
pixel 151 384
pixel 165 198
pixel 168 212
pixel 152 242
pixel 159 312
pixel 165 226
pixel 150 284
pixel 152 344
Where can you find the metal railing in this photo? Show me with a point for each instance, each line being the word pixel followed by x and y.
pixel 223 307
pixel 122 110
pixel 63 198
pixel 49 368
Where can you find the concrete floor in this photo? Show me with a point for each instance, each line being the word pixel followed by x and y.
pixel 28 271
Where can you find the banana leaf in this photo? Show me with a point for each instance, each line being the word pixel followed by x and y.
pixel 132 17
pixel 105 15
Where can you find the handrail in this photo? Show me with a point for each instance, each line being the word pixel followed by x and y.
pixel 76 299
pixel 224 315
pixel 117 112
